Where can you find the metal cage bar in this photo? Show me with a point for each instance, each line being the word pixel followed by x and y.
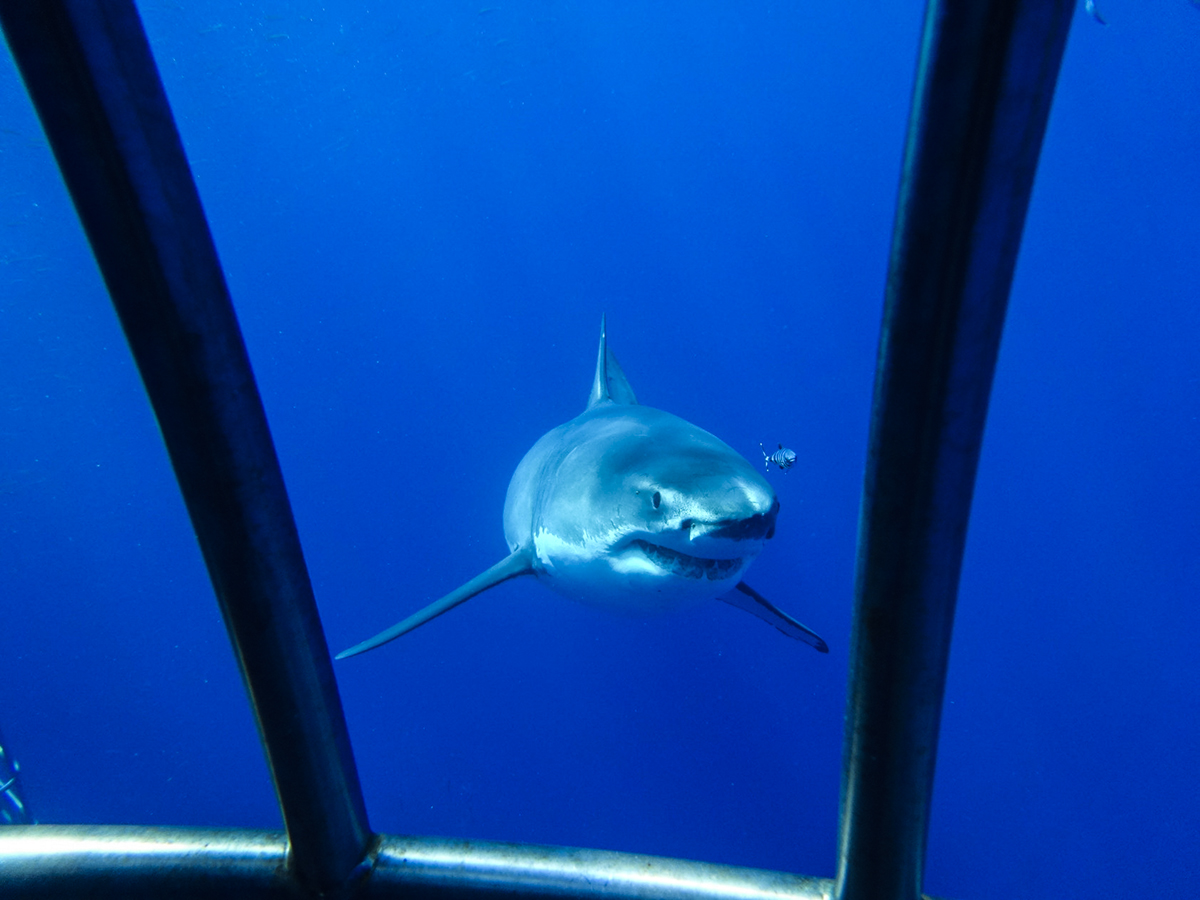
pixel 87 66
pixel 985 78
pixel 123 863
pixel 982 96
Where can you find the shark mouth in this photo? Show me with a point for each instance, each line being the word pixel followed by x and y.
pixel 688 566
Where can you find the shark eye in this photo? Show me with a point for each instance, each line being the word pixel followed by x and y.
pixel 656 499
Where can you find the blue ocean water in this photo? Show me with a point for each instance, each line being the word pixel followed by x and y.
pixel 423 211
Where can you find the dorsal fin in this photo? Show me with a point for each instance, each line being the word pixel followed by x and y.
pixel 610 383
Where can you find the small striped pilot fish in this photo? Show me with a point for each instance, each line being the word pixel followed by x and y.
pixel 783 457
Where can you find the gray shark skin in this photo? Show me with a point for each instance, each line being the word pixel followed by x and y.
pixel 631 509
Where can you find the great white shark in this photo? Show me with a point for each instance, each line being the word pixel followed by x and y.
pixel 630 508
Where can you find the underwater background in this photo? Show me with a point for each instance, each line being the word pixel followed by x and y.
pixel 423 209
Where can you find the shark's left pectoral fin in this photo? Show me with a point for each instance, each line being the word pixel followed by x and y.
pixel 747 598
pixel 519 562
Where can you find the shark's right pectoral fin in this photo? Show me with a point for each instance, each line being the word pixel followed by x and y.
pixel 519 562
pixel 747 598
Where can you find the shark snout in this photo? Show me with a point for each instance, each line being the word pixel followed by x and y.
pixel 755 527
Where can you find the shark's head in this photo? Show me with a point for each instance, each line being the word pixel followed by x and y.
pixel 632 507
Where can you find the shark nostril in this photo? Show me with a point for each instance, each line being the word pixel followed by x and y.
pixel 685 525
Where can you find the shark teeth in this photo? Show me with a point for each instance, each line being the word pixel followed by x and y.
pixel 688 566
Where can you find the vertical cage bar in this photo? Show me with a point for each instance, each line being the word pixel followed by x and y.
pixel 89 70
pixel 984 83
